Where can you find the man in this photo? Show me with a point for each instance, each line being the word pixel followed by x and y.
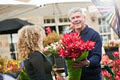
pixel 91 68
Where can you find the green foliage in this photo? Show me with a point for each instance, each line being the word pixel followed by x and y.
pixel 23 76
pixel 51 38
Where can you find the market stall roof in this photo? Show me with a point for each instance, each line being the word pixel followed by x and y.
pixel 26 9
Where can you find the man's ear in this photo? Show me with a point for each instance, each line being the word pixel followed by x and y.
pixel 85 17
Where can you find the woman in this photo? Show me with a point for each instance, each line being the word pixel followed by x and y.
pixel 30 50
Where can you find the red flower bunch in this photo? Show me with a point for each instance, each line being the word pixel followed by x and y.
pixel 114 72
pixel 74 46
pixel 105 60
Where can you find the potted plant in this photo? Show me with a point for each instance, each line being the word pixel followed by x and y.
pixel 110 47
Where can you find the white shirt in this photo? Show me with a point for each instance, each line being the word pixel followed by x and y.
pixel 7 77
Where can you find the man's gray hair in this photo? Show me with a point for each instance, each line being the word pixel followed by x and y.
pixel 76 9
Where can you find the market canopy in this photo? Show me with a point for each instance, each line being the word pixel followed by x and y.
pixel 37 7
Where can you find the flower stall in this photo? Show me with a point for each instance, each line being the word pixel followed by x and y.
pixel 111 68
pixel 10 67
pixel 51 47
pixel 13 68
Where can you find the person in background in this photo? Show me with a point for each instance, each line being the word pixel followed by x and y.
pixel 91 68
pixel 30 47
pixel 6 77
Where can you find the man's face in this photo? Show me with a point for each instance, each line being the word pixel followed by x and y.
pixel 77 20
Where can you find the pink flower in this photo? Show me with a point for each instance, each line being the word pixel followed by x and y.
pixel 117 77
pixel 118 73
pixel 115 53
pixel 45 50
pixel 105 73
pixel 11 68
pixel 48 30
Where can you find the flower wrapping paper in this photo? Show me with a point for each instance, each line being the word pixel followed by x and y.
pixel 75 74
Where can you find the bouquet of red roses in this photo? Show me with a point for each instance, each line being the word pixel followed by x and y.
pixel 74 49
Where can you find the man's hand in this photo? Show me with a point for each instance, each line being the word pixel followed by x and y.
pixel 66 78
pixel 81 63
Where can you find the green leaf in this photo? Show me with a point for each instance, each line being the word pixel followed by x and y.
pixel 23 75
pixel 109 70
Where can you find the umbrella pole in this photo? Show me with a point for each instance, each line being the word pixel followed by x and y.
pixel 12 48
pixel 11 38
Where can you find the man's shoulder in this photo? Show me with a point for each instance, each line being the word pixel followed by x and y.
pixel 92 30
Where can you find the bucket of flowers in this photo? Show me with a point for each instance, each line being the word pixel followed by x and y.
pixel 74 49
pixel 51 47
pixel 52 51
pixel 51 42
pixel 110 47
pixel 112 72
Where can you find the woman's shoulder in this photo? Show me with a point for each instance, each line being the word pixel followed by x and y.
pixel 36 54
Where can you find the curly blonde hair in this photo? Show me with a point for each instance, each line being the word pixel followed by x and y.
pixel 30 39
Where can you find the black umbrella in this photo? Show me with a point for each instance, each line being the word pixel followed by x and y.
pixel 10 26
